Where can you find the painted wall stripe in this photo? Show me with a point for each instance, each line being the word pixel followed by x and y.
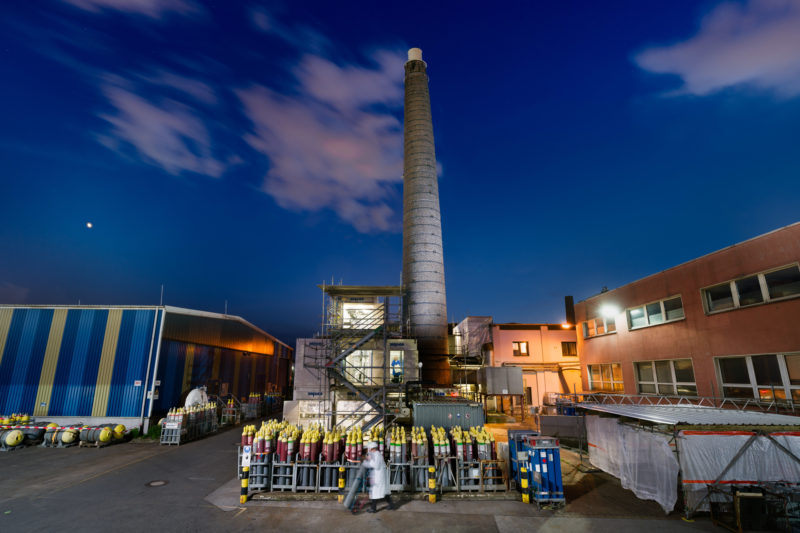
pixel 105 369
pixel 49 364
pixel 5 324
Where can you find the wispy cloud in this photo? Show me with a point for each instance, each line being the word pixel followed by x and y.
pixel 300 36
pixel 335 143
pixel 199 90
pixel 755 44
pixel 151 8
pixel 13 294
pixel 167 133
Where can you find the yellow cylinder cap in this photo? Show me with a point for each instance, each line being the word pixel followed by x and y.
pixel 14 438
pixel 105 435
pixel 69 436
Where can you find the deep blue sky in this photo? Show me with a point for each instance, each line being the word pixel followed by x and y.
pixel 248 153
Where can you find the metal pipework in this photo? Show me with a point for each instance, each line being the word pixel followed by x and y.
pixel 423 262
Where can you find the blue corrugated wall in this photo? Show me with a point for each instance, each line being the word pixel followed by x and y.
pixel 22 360
pixel 130 363
pixel 76 347
pixel 93 362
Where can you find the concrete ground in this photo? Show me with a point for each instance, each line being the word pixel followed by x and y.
pixel 196 489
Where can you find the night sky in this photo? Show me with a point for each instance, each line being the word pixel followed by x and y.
pixel 246 152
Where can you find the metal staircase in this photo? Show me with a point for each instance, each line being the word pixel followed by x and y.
pixel 344 334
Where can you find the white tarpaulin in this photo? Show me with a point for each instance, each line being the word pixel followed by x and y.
pixel 642 460
pixel 704 456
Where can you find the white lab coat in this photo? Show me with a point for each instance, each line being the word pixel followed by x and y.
pixel 378 475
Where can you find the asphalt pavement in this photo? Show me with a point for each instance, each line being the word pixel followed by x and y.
pixel 139 486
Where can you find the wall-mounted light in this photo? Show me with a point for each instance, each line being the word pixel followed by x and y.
pixel 609 310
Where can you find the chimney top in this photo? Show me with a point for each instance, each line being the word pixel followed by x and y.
pixel 415 54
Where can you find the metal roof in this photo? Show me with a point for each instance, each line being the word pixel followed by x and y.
pixel 362 290
pixel 694 415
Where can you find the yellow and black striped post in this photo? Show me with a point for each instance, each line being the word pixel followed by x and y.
pixel 245 484
pixel 432 484
pixel 523 483
pixel 341 484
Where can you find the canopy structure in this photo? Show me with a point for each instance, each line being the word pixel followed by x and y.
pixel 652 448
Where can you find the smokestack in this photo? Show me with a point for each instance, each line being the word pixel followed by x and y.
pixel 425 305
pixel 569 309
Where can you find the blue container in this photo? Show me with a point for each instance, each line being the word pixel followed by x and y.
pixel 516 438
pixel 544 469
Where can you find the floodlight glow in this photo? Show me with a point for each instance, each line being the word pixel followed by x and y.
pixel 609 310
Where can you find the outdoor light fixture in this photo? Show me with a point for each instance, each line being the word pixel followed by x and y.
pixel 609 310
pixel 566 325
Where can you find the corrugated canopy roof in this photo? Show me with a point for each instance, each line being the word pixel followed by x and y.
pixel 694 415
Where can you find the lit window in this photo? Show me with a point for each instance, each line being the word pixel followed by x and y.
pixel 520 348
pixel 599 326
pixel 569 348
pixel 755 289
pixel 765 377
pixel 666 377
pixel 655 313
pixel 606 377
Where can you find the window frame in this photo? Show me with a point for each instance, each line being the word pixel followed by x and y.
pixel 517 352
pixel 762 283
pixel 663 308
pixel 656 383
pixel 605 327
pixel 613 382
pixel 786 387
pixel 573 345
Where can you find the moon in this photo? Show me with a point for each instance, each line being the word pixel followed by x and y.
pixel 89 225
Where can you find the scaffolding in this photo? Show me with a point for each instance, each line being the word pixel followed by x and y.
pixel 358 323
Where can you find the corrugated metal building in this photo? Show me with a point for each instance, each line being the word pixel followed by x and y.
pixel 126 363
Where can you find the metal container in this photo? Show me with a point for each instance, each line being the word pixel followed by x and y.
pixel 544 469
pixel 448 414
pixel 501 380
pixel 516 456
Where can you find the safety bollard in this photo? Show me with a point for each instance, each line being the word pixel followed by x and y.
pixel 341 484
pixel 523 482
pixel 432 484
pixel 245 482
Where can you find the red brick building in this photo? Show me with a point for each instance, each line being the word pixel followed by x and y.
pixel 725 324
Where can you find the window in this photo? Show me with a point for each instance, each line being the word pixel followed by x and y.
pixel 569 348
pixel 765 377
pixel 520 348
pixel 783 283
pixel 599 326
pixel 358 366
pixel 606 377
pixel 396 365
pixel 666 377
pixel 655 313
pixel 755 289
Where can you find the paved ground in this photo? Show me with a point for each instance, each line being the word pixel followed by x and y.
pixel 47 489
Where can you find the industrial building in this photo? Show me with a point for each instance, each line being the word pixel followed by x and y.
pixel 129 364
pixel 376 341
pixel 724 325
pixel 546 353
